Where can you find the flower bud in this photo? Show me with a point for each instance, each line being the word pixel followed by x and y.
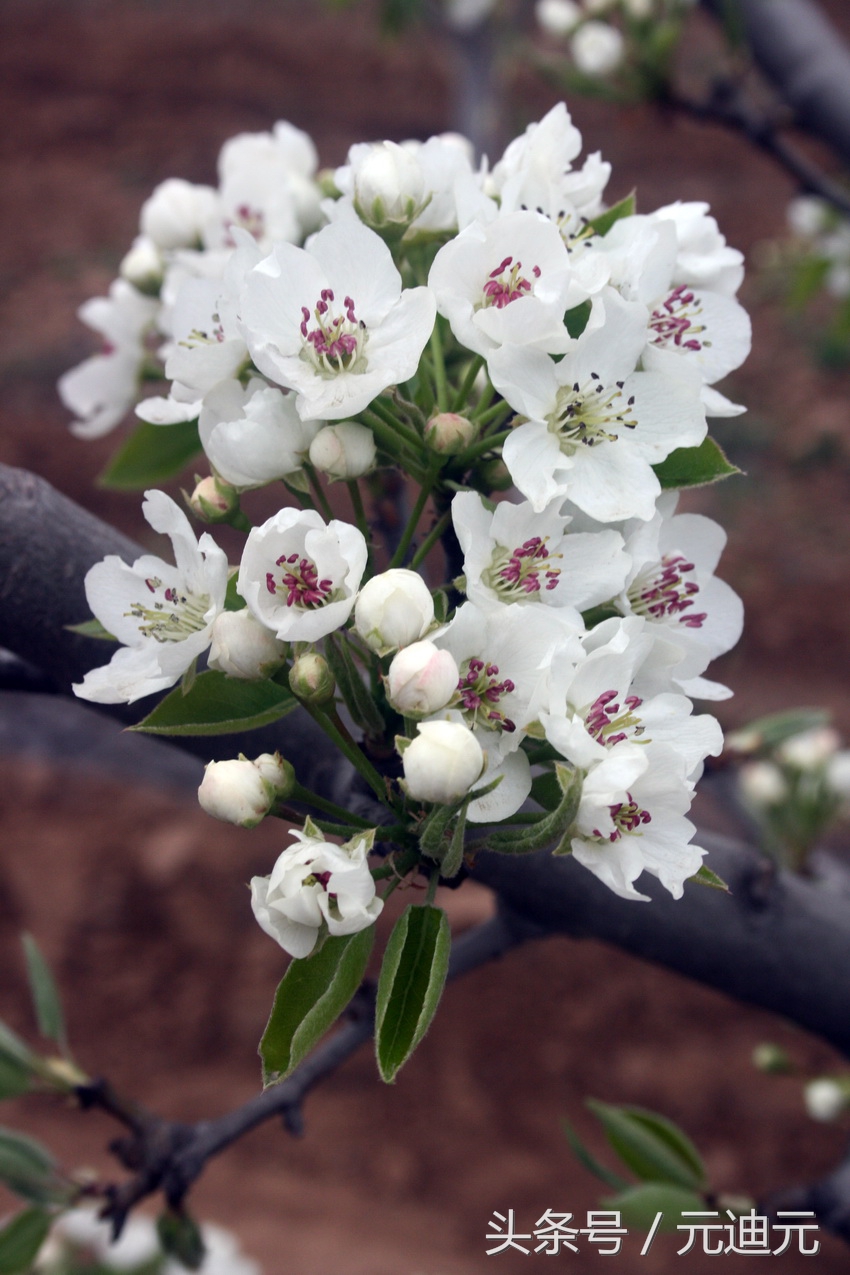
pixel 772 1059
pixel 277 771
pixel 442 763
pixel 142 266
pixel 762 783
pixel 346 450
pixel 236 792
pixel 810 748
pixel 176 213
pixel 311 679
pixel 242 647
pixel 825 1098
pixel 597 48
pixel 421 679
pixel 214 500
pixel 393 609
pixel 449 433
pixel 558 17
pixel 388 185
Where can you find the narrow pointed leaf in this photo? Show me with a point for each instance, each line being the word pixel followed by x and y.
pixel 218 705
pixel 590 1162
pixel 20 1240
pixel 48 1007
pixel 28 1169
pixel 412 979
pixel 151 455
pixel 180 1237
pixel 695 466
pixel 705 876
pixel 93 629
pixel 625 208
pixel 651 1146
pixel 310 998
pixel 639 1205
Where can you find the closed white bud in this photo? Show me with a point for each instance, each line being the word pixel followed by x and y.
pixel 762 783
pixel 176 213
pixel 810 749
pixel 449 433
pixel 442 763
pixel 311 679
pixel 388 185
pixel 421 679
pixel 213 500
pixel 236 792
pixel 142 265
pixel 244 648
pixel 597 48
pixel 557 17
pixel 393 609
pixel 277 771
pixel 825 1098
pixel 346 450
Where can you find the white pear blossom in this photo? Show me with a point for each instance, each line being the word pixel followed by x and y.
pixel 162 614
pixel 762 784
pixel 266 187
pixel 703 258
pixel 421 679
pixel 101 390
pixel 316 884
pixel 595 426
pixel 809 749
pixel 517 555
pixel 300 576
pixel 242 647
pixel 558 17
pixel 177 212
pixel 346 450
pixel 597 48
pixel 253 435
pixel 332 322
pixel 442 763
pixel 393 609
pixel 143 265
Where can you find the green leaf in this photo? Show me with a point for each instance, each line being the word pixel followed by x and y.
pixel 638 1206
pixel 218 705
pixel 589 1161
pixel 625 208
pixel 92 629
pixel 576 319
pixel 14 1078
pixel 410 986
pixel 550 829
pixel 180 1237
pixel 705 876
pixel 48 1006
pixel 310 997
pixel 20 1240
pixel 28 1169
pixel 233 601
pixel 650 1145
pixel 358 697
pixel 151 455
pixel 13 1048
pixel 695 466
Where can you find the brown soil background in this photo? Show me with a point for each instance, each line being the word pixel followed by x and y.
pixel 138 899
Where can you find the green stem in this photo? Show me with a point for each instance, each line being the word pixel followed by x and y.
pixel 494 415
pixel 440 383
pixel 359 510
pixel 467 384
pixel 431 539
pixel 413 521
pixel 321 498
pixel 304 498
pixel 336 730
pixel 382 408
pixel 432 885
pixel 393 441
pixel 485 399
pixel 329 807
pixel 240 521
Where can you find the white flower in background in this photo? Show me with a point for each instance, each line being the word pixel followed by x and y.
pixel 332 322
pixel 826 1098
pixel 143 265
pixel 513 554
pixel 631 819
pixel 315 884
pixel 80 1236
pixel 762 783
pixel 838 774
pixel 442 763
pixel 421 679
pixel 597 48
pixel 253 434
pixel 101 390
pixel 300 576
pixel 181 404
pixel 393 609
pixel 558 17
pixel 344 451
pixel 162 614
pixel 236 791
pixel 807 216
pixel 507 282
pixel 177 213
pixel 595 427
pixel 243 647
pixel 809 749
pixel 465 15
pixel 673 586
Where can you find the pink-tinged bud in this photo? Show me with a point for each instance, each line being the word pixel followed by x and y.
pixel 242 647
pixel 344 451
pixel 449 433
pixel 236 792
pixel 442 763
pixel 393 609
pixel 421 679
pixel 311 680
pixel 214 500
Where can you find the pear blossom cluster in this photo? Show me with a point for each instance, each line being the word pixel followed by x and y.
pixel 528 355
pixel 597 45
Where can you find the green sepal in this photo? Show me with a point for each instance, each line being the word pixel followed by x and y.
pixel 694 466
pixel 20 1240
pixel 180 1237
pixel 411 983
pixel 452 860
pixel 233 601
pixel 575 320
pixel 639 1206
pixel 28 1169
pixel 598 615
pixel 151 455
pixel 549 828
pixel 91 629
pixel 605 220
pixel 586 1158
pixel 218 705
pixel 309 999
pixel 358 699
pixel 705 876
pixel 654 1148
pixel 45 995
